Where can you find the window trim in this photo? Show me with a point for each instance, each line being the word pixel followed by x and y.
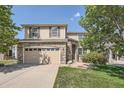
pixel 57 33
pixel 80 35
pixel 31 31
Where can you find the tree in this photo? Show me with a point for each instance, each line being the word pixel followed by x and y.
pixel 8 29
pixel 105 28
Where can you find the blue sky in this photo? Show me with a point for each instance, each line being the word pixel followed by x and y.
pixel 39 14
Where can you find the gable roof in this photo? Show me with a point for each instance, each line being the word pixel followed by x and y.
pixel 27 25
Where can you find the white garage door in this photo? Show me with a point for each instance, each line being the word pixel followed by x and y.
pixel 35 55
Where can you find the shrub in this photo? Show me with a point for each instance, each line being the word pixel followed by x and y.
pixel 94 57
pixel 1 65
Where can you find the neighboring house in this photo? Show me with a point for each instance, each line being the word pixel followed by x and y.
pixel 51 39
pixel 10 54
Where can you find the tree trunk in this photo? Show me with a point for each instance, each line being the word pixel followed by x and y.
pixel 110 56
pixel 117 56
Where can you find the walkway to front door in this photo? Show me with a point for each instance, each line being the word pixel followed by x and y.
pixel 40 76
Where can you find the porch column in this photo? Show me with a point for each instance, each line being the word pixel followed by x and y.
pixel 63 55
pixel 69 52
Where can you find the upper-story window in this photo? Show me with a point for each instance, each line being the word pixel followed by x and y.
pixel 54 31
pixel 80 36
pixel 34 33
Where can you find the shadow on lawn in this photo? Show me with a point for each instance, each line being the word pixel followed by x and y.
pixel 111 70
pixel 15 67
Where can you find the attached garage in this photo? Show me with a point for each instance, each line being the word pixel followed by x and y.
pixel 36 55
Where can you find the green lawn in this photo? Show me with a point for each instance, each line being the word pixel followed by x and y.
pixel 8 62
pixel 98 77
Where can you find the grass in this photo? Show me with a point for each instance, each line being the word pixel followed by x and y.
pixel 8 62
pixel 104 76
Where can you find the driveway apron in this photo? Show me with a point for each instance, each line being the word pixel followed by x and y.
pixel 42 76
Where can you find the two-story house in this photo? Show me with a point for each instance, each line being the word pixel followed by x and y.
pixel 52 39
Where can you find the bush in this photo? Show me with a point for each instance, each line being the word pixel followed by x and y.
pixel 94 57
pixel 1 65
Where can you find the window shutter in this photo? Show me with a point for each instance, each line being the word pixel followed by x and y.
pixel 58 31
pixel 29 32
pixel 39 32
pixel 49 31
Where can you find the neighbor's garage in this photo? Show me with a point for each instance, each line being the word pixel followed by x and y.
pixel 34 55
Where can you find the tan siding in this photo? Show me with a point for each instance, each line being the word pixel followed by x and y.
pixel 75 37
pixel 44 33
pixel 62 32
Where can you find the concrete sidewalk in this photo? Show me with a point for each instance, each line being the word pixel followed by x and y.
pixel 41 76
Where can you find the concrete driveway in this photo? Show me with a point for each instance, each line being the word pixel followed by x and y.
pixel 28 76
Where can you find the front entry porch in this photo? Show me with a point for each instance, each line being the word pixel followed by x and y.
pixel 72 51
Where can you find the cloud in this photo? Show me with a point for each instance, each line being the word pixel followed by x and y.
pixel 77 14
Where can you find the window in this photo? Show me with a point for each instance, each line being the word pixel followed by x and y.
pixel 10 53
pixel 54 32
pixel 57 49
pixel 30 49
pixel 26 49
pixel 52 49
pixel 34 33
pixel 80 36
pixel 39 49
pixel 43 49
pixel 80 51
pixel 48 49
pixel 35 49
